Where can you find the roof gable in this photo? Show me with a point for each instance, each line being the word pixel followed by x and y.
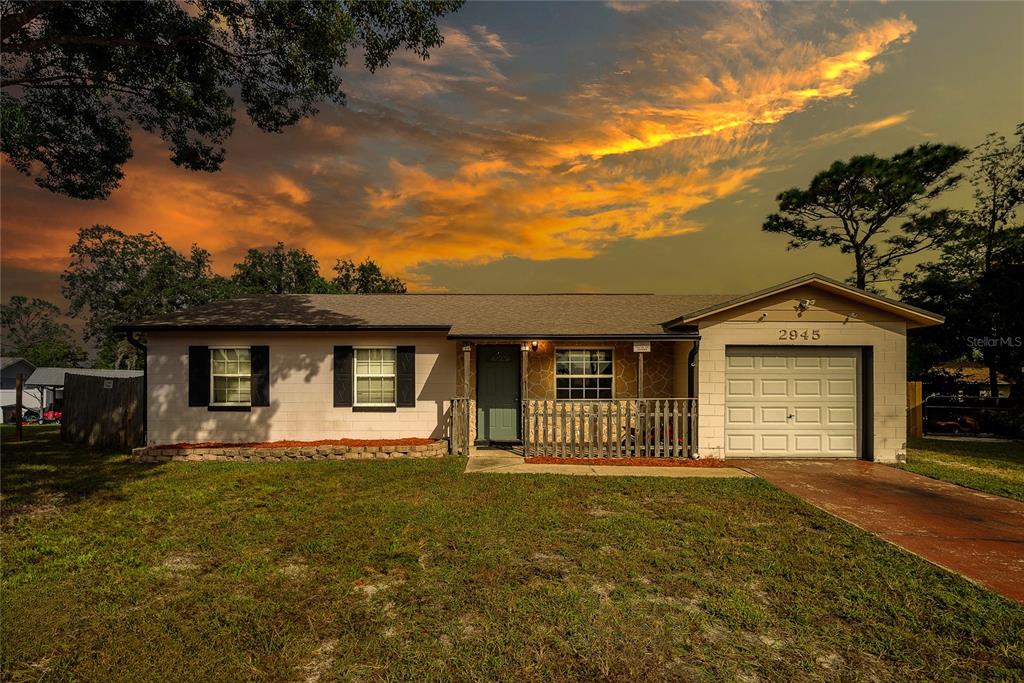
pixel 915 317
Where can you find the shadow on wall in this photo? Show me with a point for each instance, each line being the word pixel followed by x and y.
pixel 173 421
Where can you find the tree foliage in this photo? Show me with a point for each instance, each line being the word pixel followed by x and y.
pixel 364 278
pixel 978 279
pixel 872 208
pixel 114 278
pixel 31 330
pixel 279 270
pixel 78 76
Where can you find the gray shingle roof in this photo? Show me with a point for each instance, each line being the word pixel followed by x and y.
pixel 54 377
pixel 462 315
pixel 8 361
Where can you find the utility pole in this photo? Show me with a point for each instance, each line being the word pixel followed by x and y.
pixel 19 386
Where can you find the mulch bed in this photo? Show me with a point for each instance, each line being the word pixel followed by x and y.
pixel 299 444
pixel 631 462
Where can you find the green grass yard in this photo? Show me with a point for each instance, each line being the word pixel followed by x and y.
pixel 410 570
pixel 991 467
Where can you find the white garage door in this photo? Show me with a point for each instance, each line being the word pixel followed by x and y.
pixel 791 402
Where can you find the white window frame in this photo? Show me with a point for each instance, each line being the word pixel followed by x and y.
pixel 556 376
pixel 219 374
pixel 356 375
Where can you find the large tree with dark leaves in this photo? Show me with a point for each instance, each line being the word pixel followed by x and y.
pixel 875 209
pixel 279 270
pixel 78 76
pixel 978 279
pixel 31 329
pixel 115 278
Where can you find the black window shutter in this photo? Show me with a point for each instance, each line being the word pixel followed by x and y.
pixel 199 375
pixel 405 394
pixel 259 387
pixel 342 376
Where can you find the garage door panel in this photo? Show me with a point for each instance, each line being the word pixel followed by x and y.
pixel 739 387
pixel 807 387
pixel 739 415
pixel 774 443
pixel 791 402
pixel 740 443
pixel 773 415
pixel 807 416
pixel 807 443
pixel 841 416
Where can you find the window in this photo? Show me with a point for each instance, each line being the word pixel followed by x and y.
pixel 375 377
pixel 583 373
pixel 230 377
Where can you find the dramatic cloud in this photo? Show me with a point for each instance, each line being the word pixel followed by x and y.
pixel 475 155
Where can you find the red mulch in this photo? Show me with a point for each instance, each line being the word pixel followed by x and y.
pixel 642 462
pixel 295 444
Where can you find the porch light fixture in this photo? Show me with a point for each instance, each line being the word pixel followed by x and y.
pixel 534 344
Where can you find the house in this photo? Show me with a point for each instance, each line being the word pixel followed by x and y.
pixel 49 382
pixel 10 368
pixel 810 367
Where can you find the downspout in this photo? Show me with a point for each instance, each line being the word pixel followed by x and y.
pixel 130 336
pixel 691 383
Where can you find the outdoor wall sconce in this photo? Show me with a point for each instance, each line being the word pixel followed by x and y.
pixel 533 345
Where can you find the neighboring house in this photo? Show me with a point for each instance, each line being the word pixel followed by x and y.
pixel 811 367
pixel 10 368
pixel 50 382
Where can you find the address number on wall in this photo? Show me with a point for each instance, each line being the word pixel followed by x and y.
pixel 799 334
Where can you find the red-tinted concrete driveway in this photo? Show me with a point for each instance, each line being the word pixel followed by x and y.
pixel 975 534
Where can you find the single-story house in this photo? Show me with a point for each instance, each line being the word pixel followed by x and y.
pixel 809 368
pixel 50 381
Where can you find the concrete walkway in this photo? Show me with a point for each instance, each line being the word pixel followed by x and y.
pixel 978 535
pixel 503 462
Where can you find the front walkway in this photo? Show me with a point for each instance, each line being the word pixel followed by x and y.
pixel 505 462
pixel 978 535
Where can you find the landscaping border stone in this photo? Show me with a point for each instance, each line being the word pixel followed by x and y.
pixel 437 449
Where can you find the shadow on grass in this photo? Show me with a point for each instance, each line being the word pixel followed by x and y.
pixel 1008 452
pixel 40 470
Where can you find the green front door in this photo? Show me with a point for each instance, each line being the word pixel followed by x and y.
pixel 497 393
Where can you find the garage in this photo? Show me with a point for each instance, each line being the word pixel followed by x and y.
pixel 792 402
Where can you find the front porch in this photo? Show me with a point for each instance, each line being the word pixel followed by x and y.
pixel 576 398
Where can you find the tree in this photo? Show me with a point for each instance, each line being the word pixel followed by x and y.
pixel 978 278
pixel 364 278
pixel 31 331
pixel 875 209
pixel 279 270
pixel 77 77
pixel 115 278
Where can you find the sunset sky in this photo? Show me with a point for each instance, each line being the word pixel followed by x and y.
pixel 571 147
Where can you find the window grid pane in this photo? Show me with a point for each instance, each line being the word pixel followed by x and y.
pixel 375 377
pixel 583 374
pixel 231 371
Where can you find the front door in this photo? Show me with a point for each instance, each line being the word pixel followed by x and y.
pixel 497 393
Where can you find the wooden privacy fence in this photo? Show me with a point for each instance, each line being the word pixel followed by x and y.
pixel 103 411
pixel 915 410
pixel 619 428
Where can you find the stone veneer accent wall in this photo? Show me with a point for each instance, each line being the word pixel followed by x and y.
pixel 244 454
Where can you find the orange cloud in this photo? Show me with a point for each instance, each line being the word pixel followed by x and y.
pixel 454 160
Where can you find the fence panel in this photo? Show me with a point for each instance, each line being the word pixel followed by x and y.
pixel 103 411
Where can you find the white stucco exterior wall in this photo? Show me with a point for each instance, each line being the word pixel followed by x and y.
pixel 760 325
pixel 301 390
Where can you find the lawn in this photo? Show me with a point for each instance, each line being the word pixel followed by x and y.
pixel 992 467
pixel 411 570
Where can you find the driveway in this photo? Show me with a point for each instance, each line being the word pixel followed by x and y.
pixel 975 534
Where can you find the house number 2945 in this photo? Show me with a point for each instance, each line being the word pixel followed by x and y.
pixel 799 334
